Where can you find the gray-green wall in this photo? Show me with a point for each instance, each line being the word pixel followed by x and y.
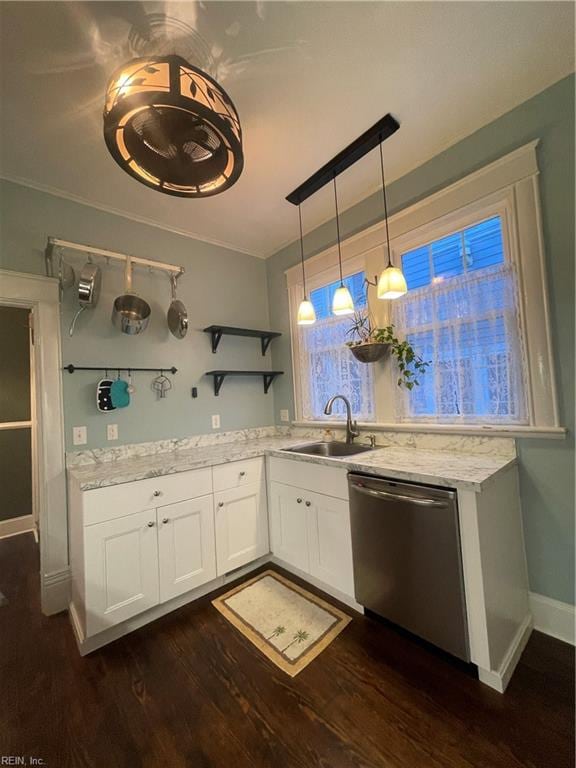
pixel 220 286
pixel 546 466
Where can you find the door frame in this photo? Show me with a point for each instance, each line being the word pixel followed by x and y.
pixel 42 296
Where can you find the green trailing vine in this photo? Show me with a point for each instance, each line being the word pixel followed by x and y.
pixel 410 365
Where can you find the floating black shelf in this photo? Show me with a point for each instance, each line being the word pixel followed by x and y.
pixel 219 376
pixel 217 331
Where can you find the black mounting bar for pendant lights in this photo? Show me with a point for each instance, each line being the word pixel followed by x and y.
pixel 371 138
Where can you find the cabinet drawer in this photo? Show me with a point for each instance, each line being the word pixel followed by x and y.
pixel 331 481
pixel 238 473
pixel 115 501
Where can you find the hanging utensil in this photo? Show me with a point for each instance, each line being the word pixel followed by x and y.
pixel 177 314
pixel 130 313
pixel 89 284
pixel 161 384
pixel 103 398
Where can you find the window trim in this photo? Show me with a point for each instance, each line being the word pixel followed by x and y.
pixel 511 184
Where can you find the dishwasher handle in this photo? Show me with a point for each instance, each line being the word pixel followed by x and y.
pixel 398 497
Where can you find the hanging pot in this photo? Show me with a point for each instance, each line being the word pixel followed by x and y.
pixel 370 353
pixel 89 284
pixel 177 314
pixel 130 313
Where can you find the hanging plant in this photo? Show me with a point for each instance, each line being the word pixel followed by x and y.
pixel 373 343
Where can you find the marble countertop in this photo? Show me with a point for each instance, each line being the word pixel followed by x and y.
pixel 445 468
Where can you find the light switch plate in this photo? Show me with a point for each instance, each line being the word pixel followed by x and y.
pixel 79 435
pixel 216 421
pixel 112 432
pixel 284 415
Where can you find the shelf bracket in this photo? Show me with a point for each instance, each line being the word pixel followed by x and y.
pixel 216 336
pixel 265 341
pixel 268 378
pixel 218 380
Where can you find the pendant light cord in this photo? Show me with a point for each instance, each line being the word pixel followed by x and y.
pixel 338 233
pixel 385 203
pixel 302 251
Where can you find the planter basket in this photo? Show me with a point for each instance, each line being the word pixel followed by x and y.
pixel 370 353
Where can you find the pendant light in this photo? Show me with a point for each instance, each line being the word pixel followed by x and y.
pixel 392 283
pixel 342 303
pixel 306 313
pixel 173 127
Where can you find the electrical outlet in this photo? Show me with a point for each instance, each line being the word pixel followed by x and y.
pixel 79 435
pixel 284 415
pixel 216 421
pixel 112 432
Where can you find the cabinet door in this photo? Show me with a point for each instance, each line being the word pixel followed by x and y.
pixel 330 541
pixel 187 552
pixel 288 529
pixel 121 569
pixel 241 526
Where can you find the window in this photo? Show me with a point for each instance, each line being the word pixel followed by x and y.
pixel 461 312
pixel 477 307
pixel 326 366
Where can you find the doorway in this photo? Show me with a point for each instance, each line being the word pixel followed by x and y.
pixel 32 438
pixel 18 513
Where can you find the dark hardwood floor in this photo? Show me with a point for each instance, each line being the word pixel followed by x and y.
pixel 189 690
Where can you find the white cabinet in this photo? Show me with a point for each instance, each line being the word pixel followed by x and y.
pixel 288 525
pixel 140 544
pixel 121 571
pixel 311 531
pixel 241 526
pixel 330 541
pixel 186 550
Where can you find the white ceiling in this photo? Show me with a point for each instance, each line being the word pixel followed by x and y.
pixel 306 77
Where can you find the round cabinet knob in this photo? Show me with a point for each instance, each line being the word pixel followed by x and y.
pixel 220 503
pixel 157 493
pixel 151 524
pixel 165 520
pixel 299 501
pixel 242 474
pixel 308 503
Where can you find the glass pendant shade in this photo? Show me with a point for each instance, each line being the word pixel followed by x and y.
pixel 306 313
pixel 342 303
pixel 391 284
pixel 172 127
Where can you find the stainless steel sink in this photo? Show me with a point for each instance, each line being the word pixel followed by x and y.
pixel 333 448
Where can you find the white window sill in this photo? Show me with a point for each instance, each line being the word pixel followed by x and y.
pixel 557 433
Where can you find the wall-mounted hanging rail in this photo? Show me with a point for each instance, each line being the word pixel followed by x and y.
pixel 56 242
pixel 129 369
pixel 219 376
pixel 375 135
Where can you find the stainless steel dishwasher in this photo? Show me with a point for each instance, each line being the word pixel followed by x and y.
pixel 407 558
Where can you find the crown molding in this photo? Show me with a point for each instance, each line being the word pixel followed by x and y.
pixel 47 189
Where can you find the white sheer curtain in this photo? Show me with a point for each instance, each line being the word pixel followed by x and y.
pixel 327 367
pixel 468 327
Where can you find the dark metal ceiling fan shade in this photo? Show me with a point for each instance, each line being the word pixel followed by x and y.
pixel 173 128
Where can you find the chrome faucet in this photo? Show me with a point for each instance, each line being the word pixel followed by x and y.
pixel 351 426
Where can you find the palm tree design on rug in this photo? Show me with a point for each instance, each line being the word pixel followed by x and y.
pixel 298 637
pixel 279 630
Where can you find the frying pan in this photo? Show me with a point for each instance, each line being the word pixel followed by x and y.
pixel 177 314
pixel 130 313
pixel 89 284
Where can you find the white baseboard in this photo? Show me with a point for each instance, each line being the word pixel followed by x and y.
pixel 499 679
pixel 553 617
pixel 55 590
